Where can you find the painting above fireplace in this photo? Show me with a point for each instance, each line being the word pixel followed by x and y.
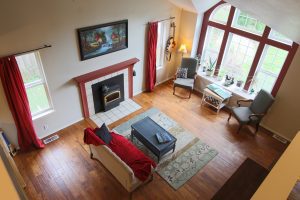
pixel 102 39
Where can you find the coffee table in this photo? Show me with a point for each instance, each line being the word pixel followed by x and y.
pixel 145 130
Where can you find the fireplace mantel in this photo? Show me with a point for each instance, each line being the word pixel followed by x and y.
pixel 81 80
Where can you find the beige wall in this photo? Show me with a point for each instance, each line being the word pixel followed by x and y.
pixel 185 34
pixel 284 116
pixel 30 24
pixel 187 30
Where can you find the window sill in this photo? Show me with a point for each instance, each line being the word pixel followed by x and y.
pixel 233 88
pixel 47 112
pixel 159 68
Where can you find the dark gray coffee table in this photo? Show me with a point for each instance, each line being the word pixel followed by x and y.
pixel 145 130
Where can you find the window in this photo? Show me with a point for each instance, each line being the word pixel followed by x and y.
pixel 212 43
pixel 247 23
pixel 163 30
pixel 35 83
pixel 280 38
pixel 238 57
pixel 269 68
pixel 221 14
pixel 249 51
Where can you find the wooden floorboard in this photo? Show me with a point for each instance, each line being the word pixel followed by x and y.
pixel 64 170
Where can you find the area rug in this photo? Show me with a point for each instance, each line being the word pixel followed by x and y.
pixel 190 154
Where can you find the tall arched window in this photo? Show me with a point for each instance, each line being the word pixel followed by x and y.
pixel 245 48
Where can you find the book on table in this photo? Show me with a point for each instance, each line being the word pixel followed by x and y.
pixel 219 91
pixel 163 137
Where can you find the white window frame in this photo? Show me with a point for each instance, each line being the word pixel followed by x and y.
pixel 260 69
pixel 43 82
pixel 163 33
pixel 228 43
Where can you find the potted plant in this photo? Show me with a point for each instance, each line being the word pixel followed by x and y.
pixel 210 67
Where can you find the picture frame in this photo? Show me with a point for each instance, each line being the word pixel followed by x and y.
pixel 102 39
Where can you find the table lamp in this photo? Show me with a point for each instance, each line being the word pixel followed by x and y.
pixel 182 49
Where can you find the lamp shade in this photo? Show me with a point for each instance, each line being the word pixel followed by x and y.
pixel 182 49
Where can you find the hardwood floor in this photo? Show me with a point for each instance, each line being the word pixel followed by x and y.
pixel 64 170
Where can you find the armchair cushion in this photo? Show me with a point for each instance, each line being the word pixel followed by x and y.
pixel 182 73
pixel 242 114
pixel 187 83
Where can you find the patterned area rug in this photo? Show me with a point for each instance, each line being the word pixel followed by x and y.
pixel 189 156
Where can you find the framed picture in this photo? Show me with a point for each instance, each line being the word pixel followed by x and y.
pixel 103 39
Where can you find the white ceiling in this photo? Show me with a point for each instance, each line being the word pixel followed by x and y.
pixel 281 15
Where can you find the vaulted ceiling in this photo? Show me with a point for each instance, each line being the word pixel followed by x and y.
pixel 283 16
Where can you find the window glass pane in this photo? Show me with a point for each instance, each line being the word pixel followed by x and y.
pixel 29 67
pixel 212 44
pixel 279 37
pixel 220 14
pixel 238 58
pixel 269 68
pixel 38 100
pixel 163 30
pixel 245 22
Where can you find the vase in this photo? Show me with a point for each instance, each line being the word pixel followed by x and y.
pixel 209 73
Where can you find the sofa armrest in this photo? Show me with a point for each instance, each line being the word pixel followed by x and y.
pixel 120 170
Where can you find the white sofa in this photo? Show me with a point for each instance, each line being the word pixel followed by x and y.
pixel 118 168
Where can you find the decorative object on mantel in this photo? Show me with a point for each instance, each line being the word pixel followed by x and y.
pixel 210 67
pixel 182 49
pixel 102 39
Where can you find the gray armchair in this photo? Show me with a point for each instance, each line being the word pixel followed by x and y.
pixel 255 112
pixel 187 83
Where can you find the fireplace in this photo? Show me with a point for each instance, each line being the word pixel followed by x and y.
pixel 86 81
pixel 108 93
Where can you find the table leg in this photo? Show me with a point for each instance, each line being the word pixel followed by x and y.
pixel 131 136
pixel 174 148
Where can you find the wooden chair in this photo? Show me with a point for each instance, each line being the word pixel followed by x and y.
pixel 254 113
pixel 187 83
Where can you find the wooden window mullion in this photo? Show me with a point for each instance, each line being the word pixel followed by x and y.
pixel 224 41
pixel 257 57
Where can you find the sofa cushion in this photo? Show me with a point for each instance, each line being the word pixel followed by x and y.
pixel 103 133
pixel 132 156
pixel 91 138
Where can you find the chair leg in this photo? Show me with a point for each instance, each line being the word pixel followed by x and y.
pixel 229 116
pixel 240 127
pixel 190 94
pixel 173 90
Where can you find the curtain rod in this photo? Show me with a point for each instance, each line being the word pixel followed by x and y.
pixel 43 47
pixel 170 18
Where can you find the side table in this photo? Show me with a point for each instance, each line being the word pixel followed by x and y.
pixel 214 100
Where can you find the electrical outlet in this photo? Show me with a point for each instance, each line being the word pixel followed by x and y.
pixel 45 127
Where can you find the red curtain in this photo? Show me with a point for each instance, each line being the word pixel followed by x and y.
pixel 18 103
pixel 151 59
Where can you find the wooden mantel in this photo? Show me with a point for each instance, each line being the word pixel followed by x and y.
pixel 81 80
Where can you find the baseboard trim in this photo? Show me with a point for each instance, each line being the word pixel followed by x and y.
pixel 59 129
pixel 137 92
pixel 274 132
pixel 164 81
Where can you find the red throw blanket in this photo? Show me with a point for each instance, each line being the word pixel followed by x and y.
pixel 132 156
